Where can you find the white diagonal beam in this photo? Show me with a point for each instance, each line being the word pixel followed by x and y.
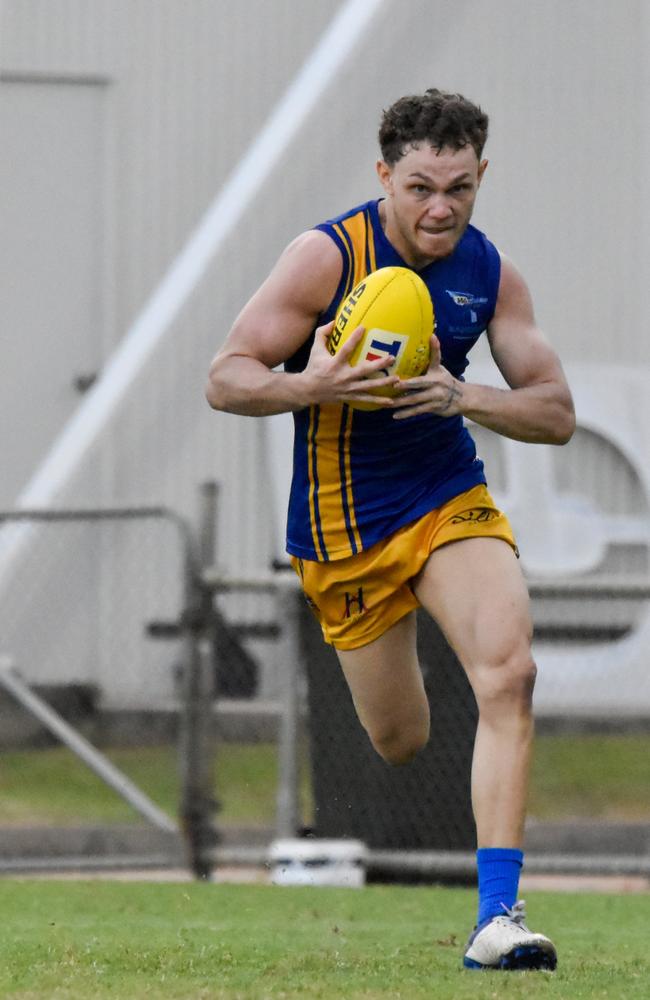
pixel 93 414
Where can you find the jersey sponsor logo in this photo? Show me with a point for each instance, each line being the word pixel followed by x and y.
pixel 466 300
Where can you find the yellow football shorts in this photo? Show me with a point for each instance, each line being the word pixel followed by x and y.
pixel 358 599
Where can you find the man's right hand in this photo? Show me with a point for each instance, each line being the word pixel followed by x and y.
pixel 332 379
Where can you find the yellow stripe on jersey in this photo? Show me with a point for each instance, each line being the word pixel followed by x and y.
pixel 331 501
pixel 348 263
pixel 370 243
pixel 333 536
pixel 347 483
pixel 312 469
pixel 357 232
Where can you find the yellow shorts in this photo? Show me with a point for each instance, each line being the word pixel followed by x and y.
pixel 358 599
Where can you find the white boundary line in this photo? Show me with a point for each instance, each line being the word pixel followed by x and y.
pixel 92 415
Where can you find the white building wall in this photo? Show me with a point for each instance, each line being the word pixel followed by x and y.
pixel 187 88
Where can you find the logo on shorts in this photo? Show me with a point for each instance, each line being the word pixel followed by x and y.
pixel 354 603
pixel 478 515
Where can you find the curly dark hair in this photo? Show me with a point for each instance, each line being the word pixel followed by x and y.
pixel 436 117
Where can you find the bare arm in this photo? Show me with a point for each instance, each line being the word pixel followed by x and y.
pixel 275 322
pixel 537 407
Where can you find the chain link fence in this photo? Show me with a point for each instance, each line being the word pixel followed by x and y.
pixel 76 605
pixel 121 620
pixel 84 608
pixel 590 794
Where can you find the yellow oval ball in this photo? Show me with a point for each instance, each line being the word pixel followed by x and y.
pixel 395 307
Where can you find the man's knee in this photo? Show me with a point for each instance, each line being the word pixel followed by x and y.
pixel 508 678
pixel 401 744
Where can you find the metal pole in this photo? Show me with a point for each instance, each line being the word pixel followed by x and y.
pixel 288 614
pixel 96 761
pixel 209 497
pixel 196 742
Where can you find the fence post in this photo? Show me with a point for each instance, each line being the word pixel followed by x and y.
pixel 288 616
pixel 197 743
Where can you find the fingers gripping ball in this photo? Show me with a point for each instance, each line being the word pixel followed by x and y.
pixel 395 307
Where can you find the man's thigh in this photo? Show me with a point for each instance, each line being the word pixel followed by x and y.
pixel 385 679
pixel 358 598
pixel 476 591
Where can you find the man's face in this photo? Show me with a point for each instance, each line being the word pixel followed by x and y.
pixel 429 200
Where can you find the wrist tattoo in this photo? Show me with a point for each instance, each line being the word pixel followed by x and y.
pixel 455 393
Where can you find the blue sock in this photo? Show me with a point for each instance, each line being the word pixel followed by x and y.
pixel 498 880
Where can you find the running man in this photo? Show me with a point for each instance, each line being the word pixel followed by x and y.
pixel 393 503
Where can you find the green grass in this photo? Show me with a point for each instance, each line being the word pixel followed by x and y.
pixel 72 941
pixel 590 776
pixel 52 786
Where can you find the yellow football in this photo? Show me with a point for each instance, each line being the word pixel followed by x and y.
pixel 395 307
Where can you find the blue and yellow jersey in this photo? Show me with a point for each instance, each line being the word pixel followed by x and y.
pixel 360 475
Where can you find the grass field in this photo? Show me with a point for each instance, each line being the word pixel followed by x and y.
pixel 590 776
pixel 67 940
pixel 77 940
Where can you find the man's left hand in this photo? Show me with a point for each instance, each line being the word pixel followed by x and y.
pixel 437 391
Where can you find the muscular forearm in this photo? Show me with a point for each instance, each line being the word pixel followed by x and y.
pixel 240 383
pixel 541 413
pixel 243 385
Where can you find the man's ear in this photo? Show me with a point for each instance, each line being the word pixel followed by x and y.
pixel 482 167
pixel 385 175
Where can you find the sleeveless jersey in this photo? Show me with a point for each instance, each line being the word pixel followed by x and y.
pixel 360 475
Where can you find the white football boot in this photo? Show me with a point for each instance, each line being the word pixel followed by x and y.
pixel 506 943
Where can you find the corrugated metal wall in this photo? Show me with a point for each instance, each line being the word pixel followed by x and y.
pixel 187 88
